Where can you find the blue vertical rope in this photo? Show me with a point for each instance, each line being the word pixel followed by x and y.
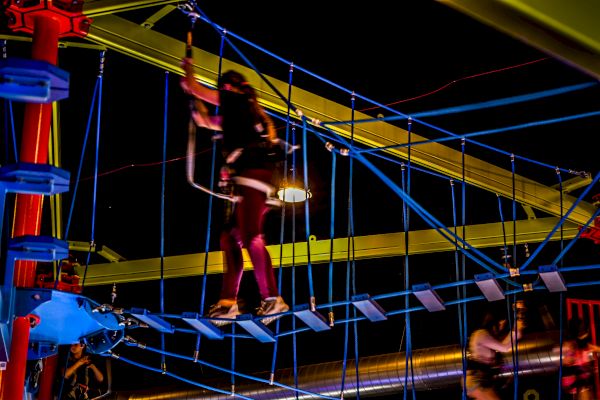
pixel 353 258
pixel 209 213
pixel 505 247
pixel 458 295
pixel 162 214
pixel 408 365
pixel 12 129
pixel 331 233
pixel 233 358
pixel 282 224
pixel 98 119
pixel 83 147
pixel 294 337
pixel 311 289
pixel 515 263
pixel 507 301
pixel 514 209
pixel 463 255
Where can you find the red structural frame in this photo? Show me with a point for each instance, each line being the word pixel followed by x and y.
pixel 47 21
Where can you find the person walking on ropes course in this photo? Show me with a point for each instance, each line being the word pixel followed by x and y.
pixel 486 346
pixel 251 150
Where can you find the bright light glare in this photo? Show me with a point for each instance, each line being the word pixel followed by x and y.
pixel 292 195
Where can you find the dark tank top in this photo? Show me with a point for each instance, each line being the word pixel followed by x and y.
pixel 244 130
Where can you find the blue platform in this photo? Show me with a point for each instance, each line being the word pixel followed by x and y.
pixel 369 307
pixel 313 319
pixel 255 327
pixel 202 325
pixel 152 321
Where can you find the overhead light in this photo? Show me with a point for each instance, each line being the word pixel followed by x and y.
pixel 428 297
pixel 489 286
pixel 292 188
pixel 292 194
pixel 552 278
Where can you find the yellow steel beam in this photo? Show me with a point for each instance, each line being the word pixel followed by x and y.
pixel 96 8
pixel 166 52
pixel 104 251
pixel 566 29
pixel 366 247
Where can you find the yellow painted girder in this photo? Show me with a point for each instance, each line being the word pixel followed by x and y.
pixel 366 247
pixel 95 8
pixel 165 52
pixel 567 29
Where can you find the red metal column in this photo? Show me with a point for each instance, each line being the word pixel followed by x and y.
pixel 14 381
pixel 34 146
pixel 47 378
pixel 28 208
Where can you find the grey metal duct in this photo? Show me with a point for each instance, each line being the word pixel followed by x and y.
pixel 433 368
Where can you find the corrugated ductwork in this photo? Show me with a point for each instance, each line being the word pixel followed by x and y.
pixel 434 368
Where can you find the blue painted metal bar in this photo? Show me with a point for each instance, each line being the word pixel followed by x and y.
pixel 152 320
pixel 428 297
pixel 369 307
pixel 32 81
pixel 202 325
pixel 313 319
pixel 255 328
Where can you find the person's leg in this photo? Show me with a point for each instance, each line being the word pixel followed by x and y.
pixel 250 219
pixel 233 263
pixel 251 214
pixel 233 268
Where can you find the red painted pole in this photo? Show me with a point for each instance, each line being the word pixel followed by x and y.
pixel 14 381
pixel 28 208
pixel 34 146
pixel 47 378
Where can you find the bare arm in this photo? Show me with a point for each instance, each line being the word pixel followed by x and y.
pixel 72 368
pixel 192 87
pixel 506 344
pixel 203 118
pixel 97 373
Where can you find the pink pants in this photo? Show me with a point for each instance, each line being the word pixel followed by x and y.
pixel 247 232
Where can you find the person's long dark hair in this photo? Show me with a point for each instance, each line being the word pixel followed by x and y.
pixel 239 81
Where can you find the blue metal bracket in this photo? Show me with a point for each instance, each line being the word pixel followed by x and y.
pixel 255 328
pixel 152 320
pixel 202 325
pixel 428 297
pixel 29 178
pixel 33 81
pixel 313 319
pixel 369 307
pixel 34 178
pixel 67 318
pixel 33 248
